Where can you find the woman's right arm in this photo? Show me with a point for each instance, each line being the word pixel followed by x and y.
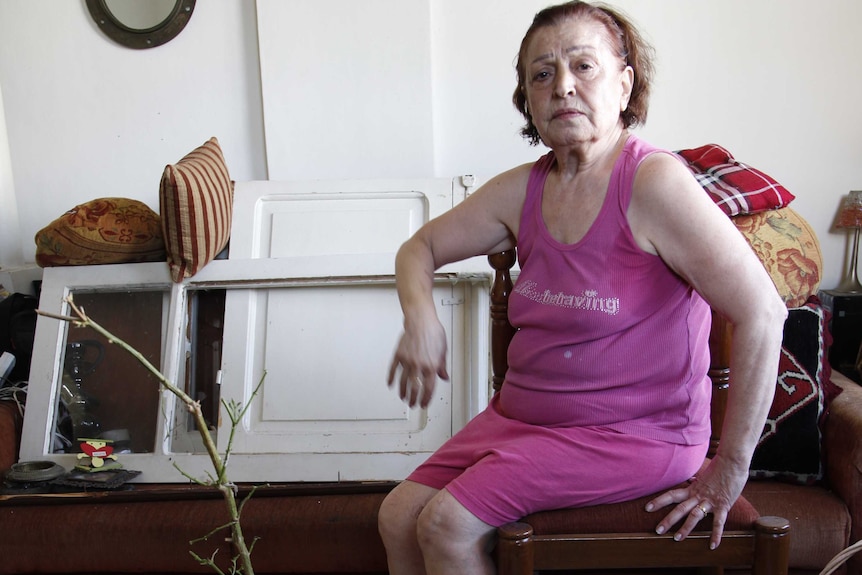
pixel 486 222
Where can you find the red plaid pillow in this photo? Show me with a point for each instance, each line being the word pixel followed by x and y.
pixel 733 186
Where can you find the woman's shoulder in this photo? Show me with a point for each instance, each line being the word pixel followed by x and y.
pixel 502 198
pixel 515 179
pixel 658 165
pixel 649 163
pixel 665 187
pixel 639 149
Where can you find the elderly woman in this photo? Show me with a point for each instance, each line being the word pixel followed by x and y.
pixel 602 403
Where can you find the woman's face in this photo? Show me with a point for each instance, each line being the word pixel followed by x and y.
pixel 576 86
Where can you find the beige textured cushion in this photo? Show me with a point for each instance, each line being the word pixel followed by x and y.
pixel 789 250
pixel 102 231
pixel 196 203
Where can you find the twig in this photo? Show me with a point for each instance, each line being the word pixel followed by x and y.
pixel 209 562
pixel 235 412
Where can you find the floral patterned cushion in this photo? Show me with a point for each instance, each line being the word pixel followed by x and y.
pixel 102 231
pixel 789 250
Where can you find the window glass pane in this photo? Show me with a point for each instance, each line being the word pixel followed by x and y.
pixel 206 328
pixel 106 393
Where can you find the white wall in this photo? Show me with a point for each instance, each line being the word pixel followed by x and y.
pixel 774 82
pixel 87 118
pixel 11 254
pixel 354 101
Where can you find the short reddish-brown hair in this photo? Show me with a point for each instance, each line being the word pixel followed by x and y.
pixel 625 39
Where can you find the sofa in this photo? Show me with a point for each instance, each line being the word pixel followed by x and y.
pixel 332 528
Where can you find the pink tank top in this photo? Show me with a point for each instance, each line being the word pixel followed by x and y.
pixel 608 335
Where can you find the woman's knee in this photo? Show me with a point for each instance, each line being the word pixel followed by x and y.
pixel 445 526
pixel 390 517
pixel 400 509
pixel 431 527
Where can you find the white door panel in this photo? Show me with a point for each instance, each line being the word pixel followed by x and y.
pixel 316 226
pixel 326 353
pixel 279 219
pixel 324 358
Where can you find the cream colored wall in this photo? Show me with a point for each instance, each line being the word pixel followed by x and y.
pixel 11 254
pixel 774 82
pixel 87 118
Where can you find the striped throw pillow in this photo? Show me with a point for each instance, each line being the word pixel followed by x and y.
pixel 196 202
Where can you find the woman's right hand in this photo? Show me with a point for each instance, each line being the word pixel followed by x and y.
pixel 419 359
pixel 485 222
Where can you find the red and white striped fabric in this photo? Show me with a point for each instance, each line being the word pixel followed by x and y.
pixel 735 187
pixel 196 204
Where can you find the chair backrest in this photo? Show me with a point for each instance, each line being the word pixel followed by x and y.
pixel 502 332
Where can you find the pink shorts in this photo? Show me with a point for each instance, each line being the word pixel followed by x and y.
pixel 502 469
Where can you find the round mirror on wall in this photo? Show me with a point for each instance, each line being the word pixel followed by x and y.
pixel 141 24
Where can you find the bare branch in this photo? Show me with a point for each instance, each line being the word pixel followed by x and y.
pixel 228 489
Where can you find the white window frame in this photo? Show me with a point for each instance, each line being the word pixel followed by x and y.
pixel 243 273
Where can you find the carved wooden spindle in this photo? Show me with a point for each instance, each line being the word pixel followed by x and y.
pixel 515 551
pixel 719 373
pixel 501 330
pixel 772 533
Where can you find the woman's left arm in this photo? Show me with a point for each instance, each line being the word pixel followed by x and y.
pixel 671 216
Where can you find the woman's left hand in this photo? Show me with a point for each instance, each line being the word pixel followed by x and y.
pixel 713 491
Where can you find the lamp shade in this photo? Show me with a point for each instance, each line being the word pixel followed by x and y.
pixel 850 214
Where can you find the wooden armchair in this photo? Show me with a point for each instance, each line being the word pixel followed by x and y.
pixel 622 536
